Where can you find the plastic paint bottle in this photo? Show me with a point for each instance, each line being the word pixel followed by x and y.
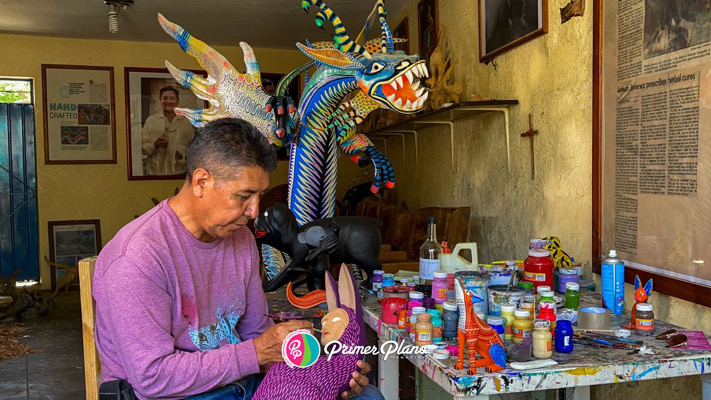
pixel 436 325
pixel 423 329
pixel 542 344
pixel 449 320
pixel 497 324
pixel 645 319
pixel 538 268
pixel 440 286
pixel 522 325
pixel 563 337
pixel 572 296
pixel 613 283
pixel 507 312
pixel 413 320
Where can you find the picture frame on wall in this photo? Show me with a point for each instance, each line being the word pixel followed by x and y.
pixel 403 32
pixel 504 25
pixel 269 83
pixel 71 241
pixel 157 143
pixel 79 114
pixel 427 27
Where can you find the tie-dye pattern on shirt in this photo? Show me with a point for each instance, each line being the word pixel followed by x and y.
pixel 222 332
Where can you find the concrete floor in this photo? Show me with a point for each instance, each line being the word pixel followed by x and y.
pixel 55 368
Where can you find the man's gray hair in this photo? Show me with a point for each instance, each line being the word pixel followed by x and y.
pixel 226 144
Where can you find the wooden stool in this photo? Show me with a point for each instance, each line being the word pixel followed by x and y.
pixel 92 366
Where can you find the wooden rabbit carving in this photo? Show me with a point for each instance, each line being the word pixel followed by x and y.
pixel 641 295
pixel 326 378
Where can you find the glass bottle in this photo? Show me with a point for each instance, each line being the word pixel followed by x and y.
pixel 429 251
pixel 572 295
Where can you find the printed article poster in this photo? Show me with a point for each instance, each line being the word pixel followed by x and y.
pixel 79 118
pixel 656 112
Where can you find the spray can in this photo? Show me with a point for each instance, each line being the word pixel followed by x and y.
pixel 613 283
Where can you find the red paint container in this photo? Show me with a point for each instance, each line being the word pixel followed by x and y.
pixel 538 268
pixel 391 309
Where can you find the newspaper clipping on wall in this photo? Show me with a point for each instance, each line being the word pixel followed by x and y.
pixel 656 112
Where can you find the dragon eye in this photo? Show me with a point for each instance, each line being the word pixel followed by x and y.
pixel 376 67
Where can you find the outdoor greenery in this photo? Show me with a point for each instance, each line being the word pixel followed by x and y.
pixel 15 91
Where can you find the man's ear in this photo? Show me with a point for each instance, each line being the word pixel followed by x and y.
pixel 200 178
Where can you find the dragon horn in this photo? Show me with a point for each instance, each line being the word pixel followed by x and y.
pixel 343 41
pixel 251 62
pixel 386 35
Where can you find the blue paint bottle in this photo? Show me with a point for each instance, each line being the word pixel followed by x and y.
pixel 613 283
pixel 563 337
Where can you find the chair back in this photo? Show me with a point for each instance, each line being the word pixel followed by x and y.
pixel 92 366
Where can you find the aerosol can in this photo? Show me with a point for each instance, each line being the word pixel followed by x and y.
pixel 613 283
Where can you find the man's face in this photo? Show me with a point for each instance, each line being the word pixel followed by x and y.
pixel 233 200
pixel 168 100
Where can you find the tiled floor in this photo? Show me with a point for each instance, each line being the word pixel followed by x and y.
pixel 55 368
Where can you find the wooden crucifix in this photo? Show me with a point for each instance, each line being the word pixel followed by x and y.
pixel 529 133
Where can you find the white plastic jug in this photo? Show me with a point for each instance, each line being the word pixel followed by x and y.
pixel 453 262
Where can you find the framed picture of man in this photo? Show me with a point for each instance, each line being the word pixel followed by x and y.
pixel 157 136
pixel 428 26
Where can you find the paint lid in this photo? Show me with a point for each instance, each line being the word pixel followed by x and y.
pixel 495 321
pixel 613 254
pixel 572 286
pixel 440 274
pixel 378 272
pixel 452 350
pixel 645 307
pixel 449 306
pixel 525 285
pixel 542 323
pixel 415 295
pixel 542 289
pixel 510 263
pixel 522 313
pixel 547 293
pixel 441 354
pixel 623 333
pixel 529 298
pixel 429 348
pixel 508 308
pixel 539 253
pixel 418 310
pixel 567 271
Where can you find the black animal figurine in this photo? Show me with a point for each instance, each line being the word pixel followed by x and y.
pixel 314 246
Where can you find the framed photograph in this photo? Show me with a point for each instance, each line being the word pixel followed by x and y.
pixel 158 138
pixel 269 82
pixel 70 241
pixel 651 144
pixel 428 26
pixel 403 32
pixel 505 24
pixel 79 114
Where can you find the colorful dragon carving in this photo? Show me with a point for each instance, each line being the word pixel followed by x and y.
pixel 479 337
pixel 350 81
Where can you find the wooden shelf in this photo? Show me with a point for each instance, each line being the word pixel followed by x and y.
pixel 448 116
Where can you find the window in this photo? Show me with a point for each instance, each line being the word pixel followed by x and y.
pixel 16 91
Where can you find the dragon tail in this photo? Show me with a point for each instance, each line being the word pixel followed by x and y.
pixel 307 301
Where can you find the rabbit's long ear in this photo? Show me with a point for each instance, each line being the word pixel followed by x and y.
pixel 347 292
pixel 332 298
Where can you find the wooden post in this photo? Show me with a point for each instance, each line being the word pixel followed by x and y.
pixel 92 366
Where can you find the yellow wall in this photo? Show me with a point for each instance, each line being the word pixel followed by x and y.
pixel 102 191
pixel 553 76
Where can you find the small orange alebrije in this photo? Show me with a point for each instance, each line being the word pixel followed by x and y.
pixel 309 300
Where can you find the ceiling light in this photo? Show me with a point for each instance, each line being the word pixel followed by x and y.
pixel 113 12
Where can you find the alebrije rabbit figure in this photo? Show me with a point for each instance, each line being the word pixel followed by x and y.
pixel 325 379
pixel 641 295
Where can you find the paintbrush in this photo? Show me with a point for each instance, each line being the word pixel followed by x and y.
pixel 277 319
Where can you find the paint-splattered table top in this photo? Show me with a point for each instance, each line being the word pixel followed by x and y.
pixel 585 366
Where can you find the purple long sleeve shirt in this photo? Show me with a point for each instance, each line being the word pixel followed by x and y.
pixel 176 316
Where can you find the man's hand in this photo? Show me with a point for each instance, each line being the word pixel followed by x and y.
pixel 358 380
pixel 161 142
pixel 268 344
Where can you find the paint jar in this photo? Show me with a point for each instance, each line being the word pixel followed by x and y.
pixel 644 319
pixel 377 279
pixel 566 275
pixel 411 286
pixel 476 283
pixel 564 337
pixel 548 312
pixel 450 286
pixel 413 319
pixel 428 303
pixel 502 294
pixel 416 279
pixel 402 319
pixel 388 280
pixel 547 295
pixel 501 276
pixel 415 301
pixel 521 326
pixel 537 244
pixel 530 307
pixel 507 312
pixel 449 320
pixel 542 343
pixel 497 324
pixel 526 286
pixel 415 295
pixel 391 307
pixel 538 292
pixel 423 329
pixel 572 296
pixel 424 288
pixel 440 286
pixel 436 325
pixel 538 268
pixel 404 281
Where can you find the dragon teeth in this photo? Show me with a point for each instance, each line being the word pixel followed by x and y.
pixel 424 96
pixel 391 98
pixel 419 102
pixel 398 103
pixel 415 85
pixel 419 92
pixel 394 85
pixel 427 73
pixel 408 105
pixel 399 80
pixel 408 75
